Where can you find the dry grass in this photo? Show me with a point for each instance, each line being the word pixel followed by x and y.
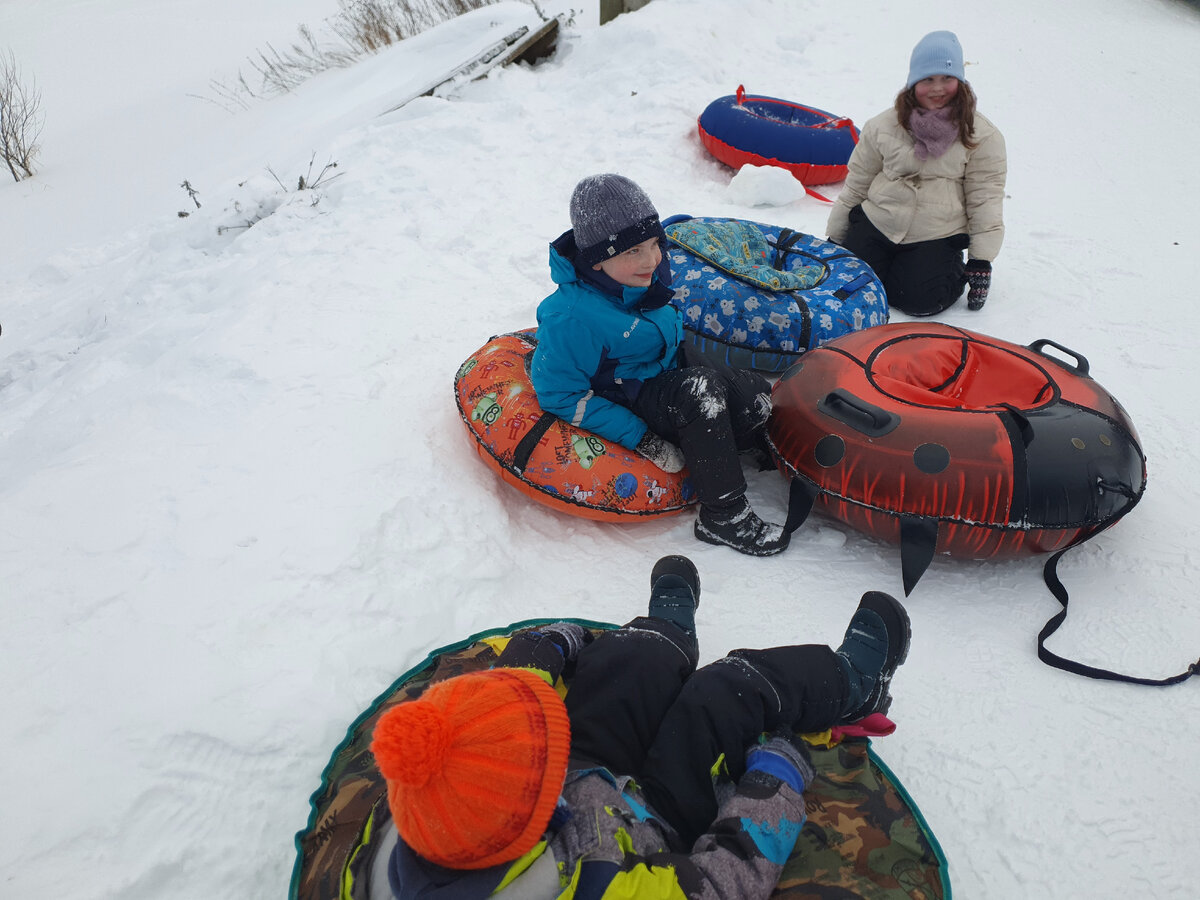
pixel 360 27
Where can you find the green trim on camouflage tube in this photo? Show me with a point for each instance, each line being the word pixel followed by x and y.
pixel 943 863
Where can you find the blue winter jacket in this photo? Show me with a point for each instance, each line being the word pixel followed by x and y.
pixel 597 342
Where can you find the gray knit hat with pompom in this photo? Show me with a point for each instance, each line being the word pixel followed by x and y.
pixel 610 214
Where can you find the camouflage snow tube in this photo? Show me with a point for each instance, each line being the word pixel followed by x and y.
pixel 864 839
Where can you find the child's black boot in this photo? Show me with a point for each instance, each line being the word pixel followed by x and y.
pixel 675 591
pixel 736 525
pixel 876 643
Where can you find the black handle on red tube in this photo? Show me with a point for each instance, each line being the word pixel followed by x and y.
pixel 860 415
pixel 1081 363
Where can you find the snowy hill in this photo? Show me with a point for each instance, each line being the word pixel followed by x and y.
pixel 237 500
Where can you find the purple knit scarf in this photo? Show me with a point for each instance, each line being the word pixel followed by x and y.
pixel 933 131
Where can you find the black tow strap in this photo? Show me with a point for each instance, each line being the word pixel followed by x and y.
pixel 1050 574
pixel 531 439
pixel 802 496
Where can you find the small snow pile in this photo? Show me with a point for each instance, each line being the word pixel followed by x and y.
pixel 758 186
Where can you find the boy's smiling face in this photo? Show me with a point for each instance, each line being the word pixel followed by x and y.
pixel 635 267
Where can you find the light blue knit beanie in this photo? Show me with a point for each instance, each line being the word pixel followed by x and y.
pixel 938 53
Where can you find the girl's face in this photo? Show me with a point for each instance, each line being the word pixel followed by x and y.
pixel 635 267
pixel 935 91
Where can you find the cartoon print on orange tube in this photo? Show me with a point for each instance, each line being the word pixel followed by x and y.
pixel 548 460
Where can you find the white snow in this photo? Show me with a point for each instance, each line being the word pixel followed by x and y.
pixel 765 186
pixel 236 500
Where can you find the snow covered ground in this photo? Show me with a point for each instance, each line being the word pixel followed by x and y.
pixel 236 500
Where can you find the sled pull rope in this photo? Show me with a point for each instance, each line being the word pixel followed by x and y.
pixel 1054 583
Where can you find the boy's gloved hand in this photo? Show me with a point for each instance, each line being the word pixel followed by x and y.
pixel 783 755
pixel 979 277
pixel 662 453
pixel 568 637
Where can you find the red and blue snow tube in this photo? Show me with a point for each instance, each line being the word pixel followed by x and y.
pixel 812 144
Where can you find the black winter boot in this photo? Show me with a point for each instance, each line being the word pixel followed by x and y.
pixel 740 528
pixel 876 643
pixel 675 591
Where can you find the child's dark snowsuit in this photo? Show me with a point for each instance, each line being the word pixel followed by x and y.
pixel 639 706
pixel 648 732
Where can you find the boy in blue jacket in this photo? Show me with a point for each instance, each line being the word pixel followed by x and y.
pixel 652 779
pixel 609 359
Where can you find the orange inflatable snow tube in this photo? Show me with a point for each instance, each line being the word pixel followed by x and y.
pixel 954 442
pixel 562 466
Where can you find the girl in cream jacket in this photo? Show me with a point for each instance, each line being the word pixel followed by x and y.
pixel 925 183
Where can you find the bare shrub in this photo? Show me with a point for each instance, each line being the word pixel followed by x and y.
pixel 20 119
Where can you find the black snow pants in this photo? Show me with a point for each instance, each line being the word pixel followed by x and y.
pixel 711 412
pixel 639 706
pixel 921 279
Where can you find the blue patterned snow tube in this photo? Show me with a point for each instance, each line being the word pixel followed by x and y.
pixel 757 296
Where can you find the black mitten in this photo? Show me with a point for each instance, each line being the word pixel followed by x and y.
pixel 552 648
pixel 979 277
pixel 569 637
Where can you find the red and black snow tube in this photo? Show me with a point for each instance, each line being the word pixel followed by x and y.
pixel 954 442
pixel 742 129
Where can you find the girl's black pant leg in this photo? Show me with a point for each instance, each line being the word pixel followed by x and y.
pixel 870 245
pixel 921 279
pixel 927 277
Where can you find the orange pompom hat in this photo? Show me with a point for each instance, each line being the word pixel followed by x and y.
pixel 475 766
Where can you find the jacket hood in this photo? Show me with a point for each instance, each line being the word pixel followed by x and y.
pixel 415 876
pixel 563 269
